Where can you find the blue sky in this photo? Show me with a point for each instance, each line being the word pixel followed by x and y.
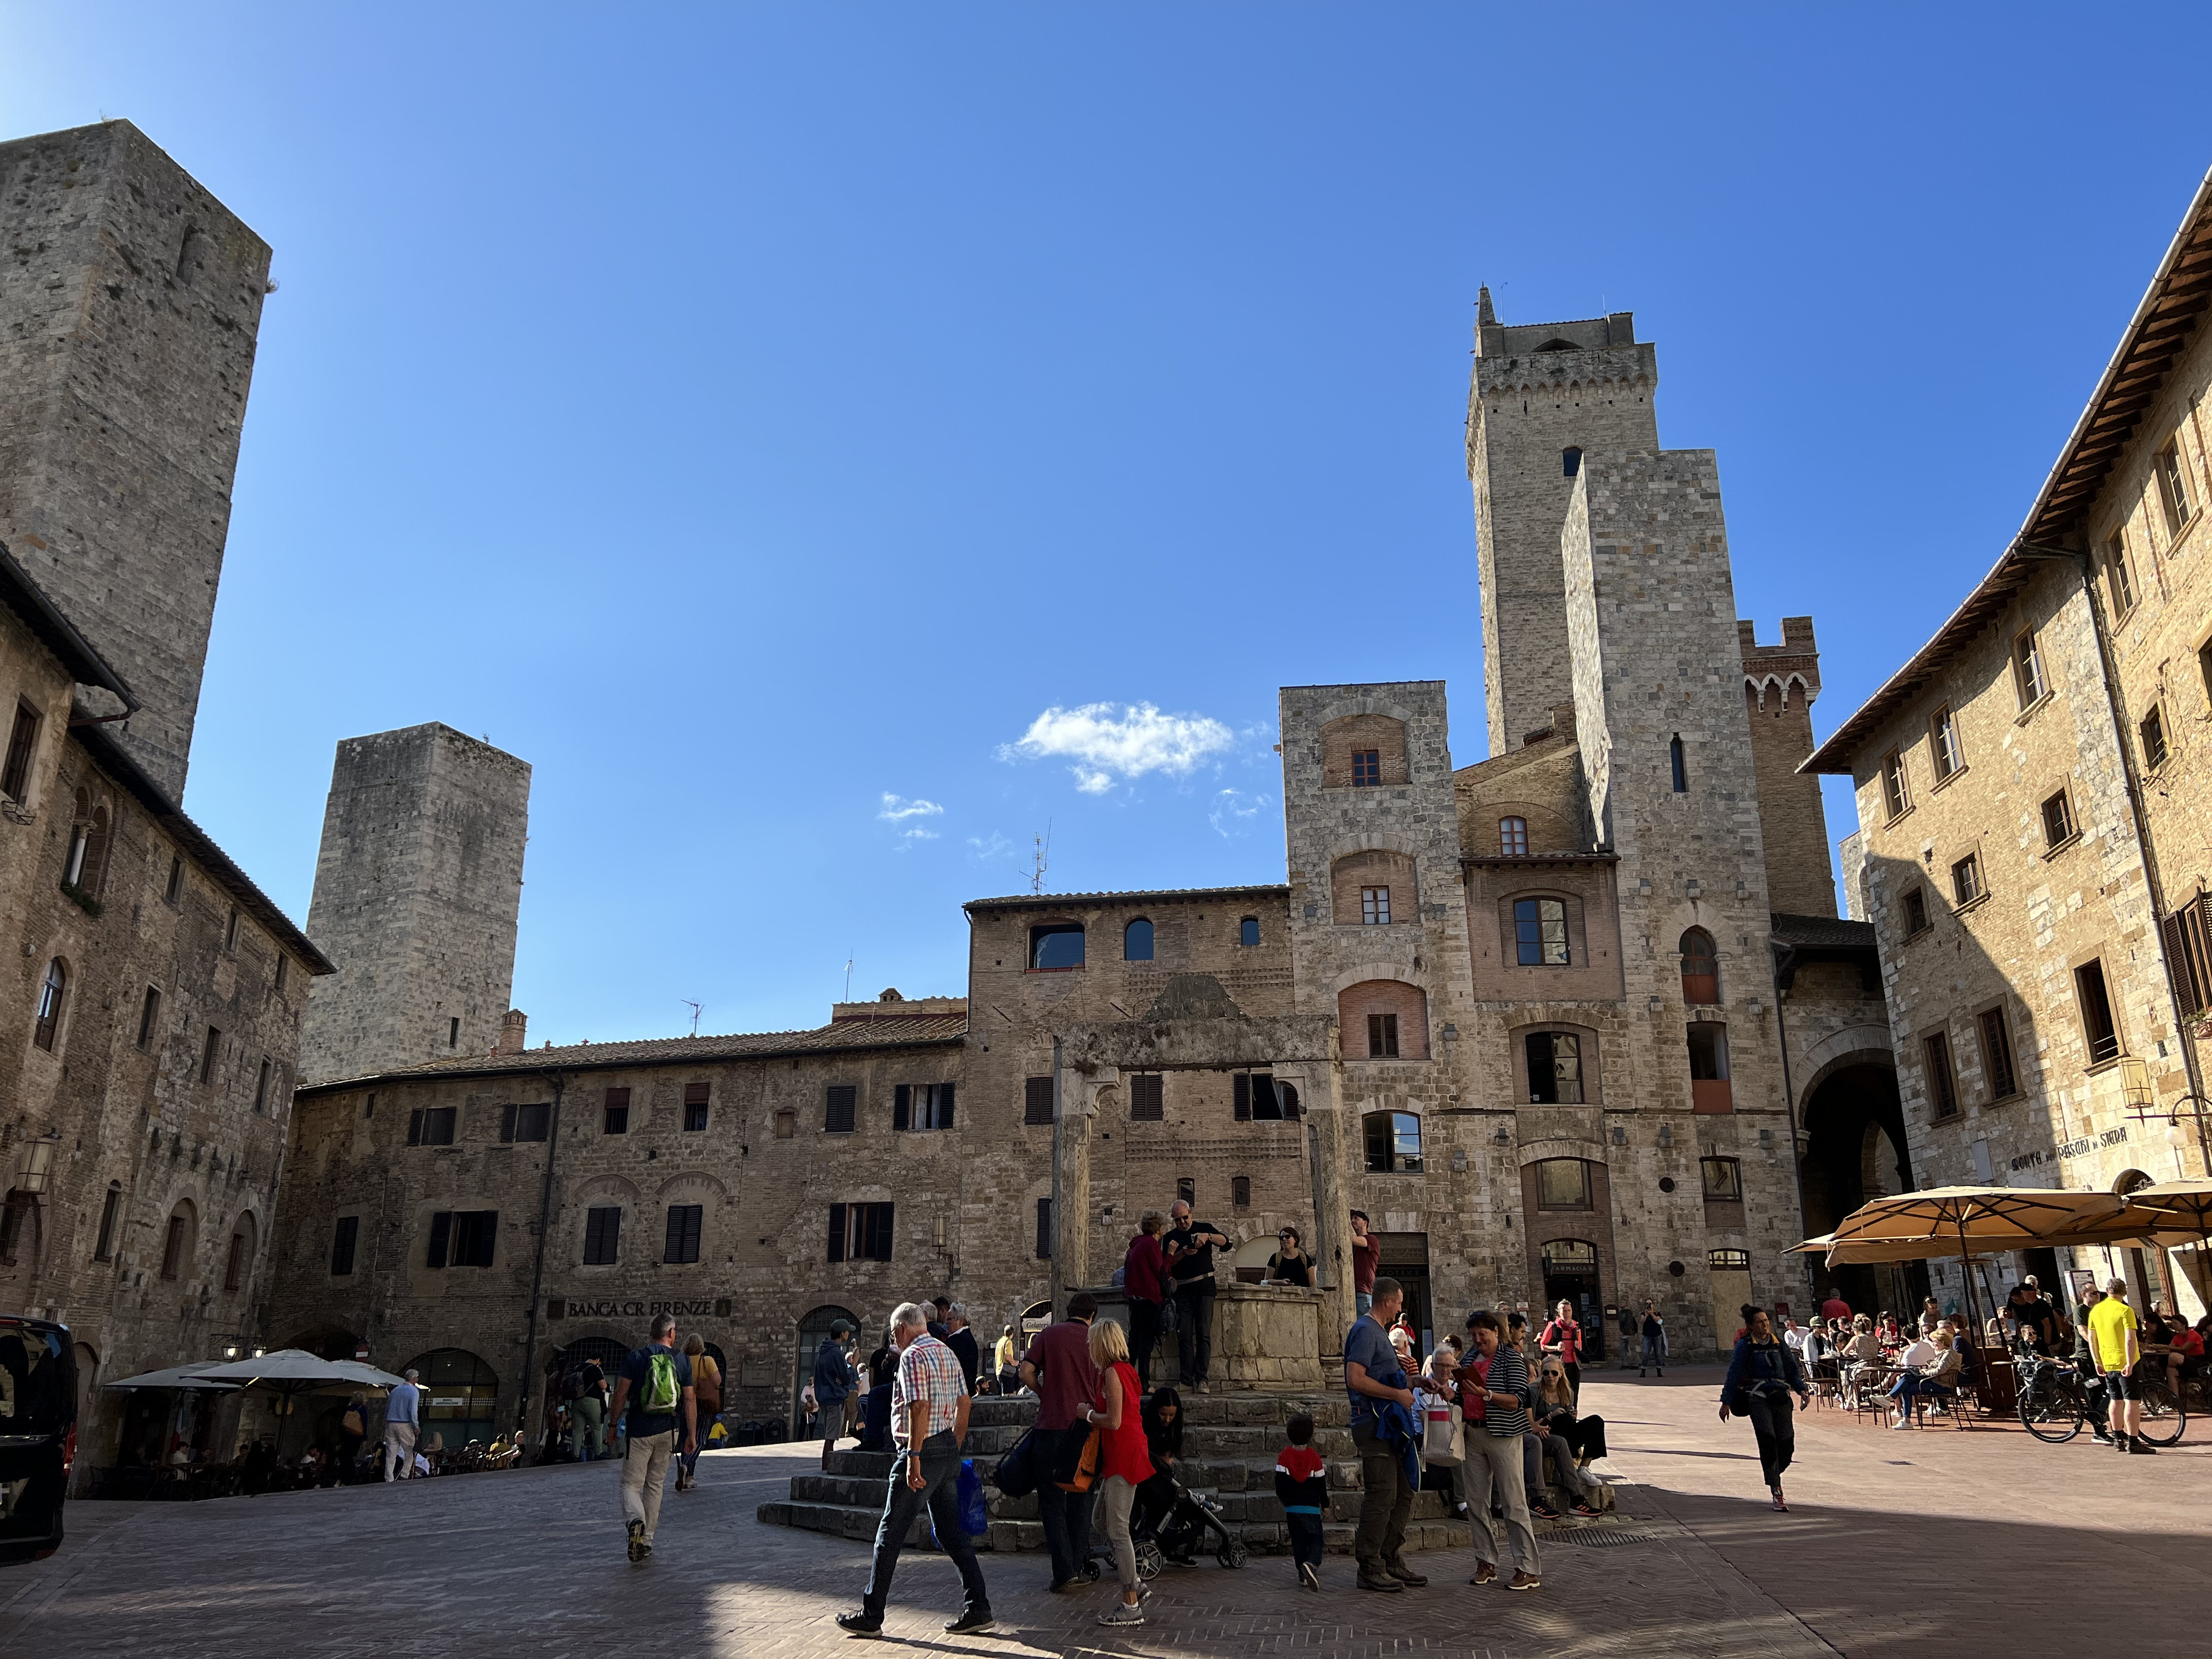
pixel 763 420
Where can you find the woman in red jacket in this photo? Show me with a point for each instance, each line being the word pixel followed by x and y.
pixel 1563 1337
pixel 1123 1463
pixel 1144 1276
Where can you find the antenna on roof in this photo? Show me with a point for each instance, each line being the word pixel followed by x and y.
pixel 1043 853
pixel 848 977
pixel 697 1009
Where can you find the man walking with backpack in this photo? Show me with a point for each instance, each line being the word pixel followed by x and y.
pixel 656 1384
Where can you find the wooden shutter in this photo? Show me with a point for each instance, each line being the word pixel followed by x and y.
pixel 1037 1100
pixel 507 1121
pixel 944 1105
pixel 902 1107
pixel 1146 1098
pixel 836 1232
pixel 415 1128
pixel 1243 1097
pixel 441 1233
pixel 881 1242
pixel 1288 1094
pixel 842 1110
pixel 1044 1230
pixel 2177 964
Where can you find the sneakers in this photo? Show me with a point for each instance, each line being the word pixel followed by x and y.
pixel 2139 1447
pixel 1376 1577
pixel 1396 1567
pixel 1542 1511
pixel 859 1624
pixel 639 1549
pixel 1525 1580
pixel 1123 1612
pixel 1486 1572
pixel 1309 1576
pixel 1780 1506
pixel 1587 1511
pixel 969 1624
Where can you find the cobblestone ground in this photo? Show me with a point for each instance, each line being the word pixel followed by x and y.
pixel 1898 1543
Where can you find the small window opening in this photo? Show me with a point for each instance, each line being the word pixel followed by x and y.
pixel 2153 730
pixel 2028 683
pixel 1539 932
pixel 1942 1083
pixel 1366 768
pixel 454 1033
pixel 1916 913
pixel 614 1112
pixel 51 993
pixel 1513 837
pixel 1555 1068
pixel 1570 461
pixel 1240 1191
pixel 1248 932
pixel 1680 767
pixel 1137 941
pixel 1375 907
pixel 23 743
pixel 1966 879
pixel 2057 820
pixel 175 889
pixel 2098 1028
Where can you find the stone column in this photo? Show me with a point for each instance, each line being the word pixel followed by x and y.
pixel 1321 1091
pixel 1076 1096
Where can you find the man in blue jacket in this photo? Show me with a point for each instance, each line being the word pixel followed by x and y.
pixel 1376 1381
pixel 834 1379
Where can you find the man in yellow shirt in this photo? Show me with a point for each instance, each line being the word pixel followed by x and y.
pixel 2112 1327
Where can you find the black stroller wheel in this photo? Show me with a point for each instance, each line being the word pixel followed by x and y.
pixel 1231 1554
pixel 1090 1570
pixel 1148 1559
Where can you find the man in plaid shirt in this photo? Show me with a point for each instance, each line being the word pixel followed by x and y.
pixel 929 1424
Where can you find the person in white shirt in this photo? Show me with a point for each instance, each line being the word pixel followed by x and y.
pixel 1794 1336
pixel 1919 1354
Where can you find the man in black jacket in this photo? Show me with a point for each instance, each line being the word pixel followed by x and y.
pixel 962 1341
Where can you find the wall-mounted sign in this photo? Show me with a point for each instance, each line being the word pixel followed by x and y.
pixel 2071 1148
pixel 575 1307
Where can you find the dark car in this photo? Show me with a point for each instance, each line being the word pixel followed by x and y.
pixel 38 1435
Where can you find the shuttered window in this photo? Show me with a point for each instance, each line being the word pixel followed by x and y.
pixel 1147 1097
pixel 684 1222
pixel 1044 1230
pixel 2187 961
pixel 343 1243
pixel 526 1121
pixel 859 1232
pixel 430 1126
pixel 1037 1100
pixel 842 1110
pixel 602 1235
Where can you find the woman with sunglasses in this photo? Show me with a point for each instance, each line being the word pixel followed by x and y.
pixel 1583 1437
pixel 1290 1265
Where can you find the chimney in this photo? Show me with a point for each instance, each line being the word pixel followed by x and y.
pixel 513 1024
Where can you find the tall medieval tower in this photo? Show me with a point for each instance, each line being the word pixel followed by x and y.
pixel 1544 394
pixel 418 889
pixel 130 301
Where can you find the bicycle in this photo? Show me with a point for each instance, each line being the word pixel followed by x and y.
pixel 2052 1405
pixel 2164 1417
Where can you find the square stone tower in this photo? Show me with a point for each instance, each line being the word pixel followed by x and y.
pixel 130 301
pixel 1543 395
pixel 417 889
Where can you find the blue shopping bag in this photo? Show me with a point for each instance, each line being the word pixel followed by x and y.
pixel 974 1513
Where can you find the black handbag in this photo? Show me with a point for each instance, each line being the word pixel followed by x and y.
pixel 1017 1473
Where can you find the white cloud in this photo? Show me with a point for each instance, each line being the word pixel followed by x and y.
pixel 997 846
pixel 896 807
pixel 1235 813
pixel 919 834
pixel 1108 742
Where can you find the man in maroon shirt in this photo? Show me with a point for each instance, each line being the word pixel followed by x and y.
pixel 1366 1256
pixel 1836 1308
pixel 1058 1366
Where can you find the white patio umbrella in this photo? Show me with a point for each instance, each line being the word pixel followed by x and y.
pixel 174 1377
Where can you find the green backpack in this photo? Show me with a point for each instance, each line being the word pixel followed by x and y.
pixel 660 1392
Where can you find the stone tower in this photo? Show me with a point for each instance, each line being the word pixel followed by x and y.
pixel 417 889
pixel 1780 683
pixel 1543 395
pixel 129 300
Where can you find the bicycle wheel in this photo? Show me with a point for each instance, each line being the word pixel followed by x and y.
pixel 2052 1411
pixel 2163 1418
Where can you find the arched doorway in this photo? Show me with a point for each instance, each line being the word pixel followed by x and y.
pixel 325 1342
pixel 460 1396
pixel 1855 1151
pixel 1570 1276
pixel 812 1331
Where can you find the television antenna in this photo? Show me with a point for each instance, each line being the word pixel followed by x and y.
pixel 1044 854
pixel 848 977
pixel 697 1009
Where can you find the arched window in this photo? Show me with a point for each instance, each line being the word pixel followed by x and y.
pixel 1137 941
pixel 1513 837
pixel 1383 1019
pixel 1570 461
pixel 1394 1143
pixel 177 1244
pixel 1701 967
pixel 459 1395
pixel 1056 945
pixel 1539 932
pixel 1248 932
pixel 52 995
pixel 1563 1183
pixel 1555 1068
pixel 1363 751
pixel 240 1259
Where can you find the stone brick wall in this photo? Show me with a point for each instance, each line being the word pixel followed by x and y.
pixel 418 887
pixel 1780 683
pixel 129 300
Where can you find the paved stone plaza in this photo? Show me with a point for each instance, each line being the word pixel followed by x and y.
pixel 1975 1543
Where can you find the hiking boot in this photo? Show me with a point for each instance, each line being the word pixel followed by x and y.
pixel 1376 1576
pixel 1309 1576
pixel 969 1624
pixel 1486 1572
pixel 1525 1580
pixel 638 1547
pixel 1396 1567
pixel 859 1624
pixel 1123 1612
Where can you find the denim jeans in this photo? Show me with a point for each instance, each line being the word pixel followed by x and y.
pixel 941 1495
pixel 1194 1331
pixel 1066 1517
pixel 1653 1355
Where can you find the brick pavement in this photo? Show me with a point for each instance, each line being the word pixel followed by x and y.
pixel 1895 1540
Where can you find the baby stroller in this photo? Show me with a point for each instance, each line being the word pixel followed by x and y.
pixel 1189 1522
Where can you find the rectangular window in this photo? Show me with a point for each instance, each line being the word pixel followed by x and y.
pixel 602 1235
pixel 1375 907
pixel 345 1238
pixel 1539 932
pixel 1513 837
pixel 787 1124
pixel 1147 1097
pixel 1724 1180
pixel 230 931
pixel 2189 955
pixel 261 1089
pixel 1996 1053
pixel 234 1266
pixel 176 890
pixel 454 1033
pixel 1916 913
pixel 1563 1183
pixel 1555 1068
pixel 2099 1028
pixel 22 743
pixel 859 1232
pixel 1966 879
pixel 2173 486
pixel 918 1106
pixel 105 1251
pixel 1710 1088
pixel 2117 576
pixel 615 1119
pixel 432 1125
pixel 1895 796
pixel 172 1247
pixel 2027 681
pixel 1044 1230
pixel 2151 730
pixel 2204 668
pixel 463 1238
pixel 696 1097
pixel 1037 1100
pixel 684 1221
pixel 2057 820
pixel 1240 1192
pixel 841 1108
pixel 149 1018
pixel 283 971
pixel 527 1121
pixel 1942 1086
pixel 1944 742
pixel 1253 1095
pixel 210 1051
pixel 1187 1189
pixel 1366 768
pixel 1383 1037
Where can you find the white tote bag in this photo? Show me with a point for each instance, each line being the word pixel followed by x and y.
pixel 1443 1437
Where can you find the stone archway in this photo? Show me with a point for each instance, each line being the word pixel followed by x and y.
pixel 1855 1150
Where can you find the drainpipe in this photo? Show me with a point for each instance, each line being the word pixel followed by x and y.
pixel 537 1268
pixel 2086 564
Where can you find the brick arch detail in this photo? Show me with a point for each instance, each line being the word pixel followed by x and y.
pixel 1533 1152
pixel 1374 841
pixel 1360 972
